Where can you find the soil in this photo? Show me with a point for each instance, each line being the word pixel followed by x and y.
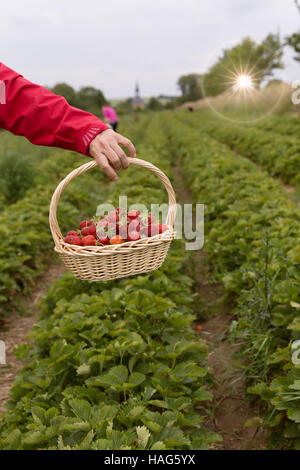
pixel 18 327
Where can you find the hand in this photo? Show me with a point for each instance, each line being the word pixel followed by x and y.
pixel 106 150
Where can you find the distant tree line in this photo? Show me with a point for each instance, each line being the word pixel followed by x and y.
pixel 88 98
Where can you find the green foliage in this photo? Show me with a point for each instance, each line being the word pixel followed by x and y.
pixel 65 90
pixel 294 40
pixel 252 240
pixel 257 59
pixel 88 98
pixel 154 104
pixel 26 242
pixel 17 174
pixel 276 152
pixel 114 365
pixel 190 87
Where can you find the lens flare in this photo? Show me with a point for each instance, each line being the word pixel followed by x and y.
pixel 244 82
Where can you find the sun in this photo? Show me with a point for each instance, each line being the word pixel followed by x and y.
pixel 244 82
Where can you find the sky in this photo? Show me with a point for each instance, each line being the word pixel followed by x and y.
pixel 112 44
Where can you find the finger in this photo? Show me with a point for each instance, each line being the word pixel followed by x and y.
pixel 106 167
pixel 122 156
pixel 128 144
pixel 113 158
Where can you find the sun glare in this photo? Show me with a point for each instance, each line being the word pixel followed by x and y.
pixel 244 82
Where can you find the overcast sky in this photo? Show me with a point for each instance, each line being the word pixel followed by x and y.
pixel 112 44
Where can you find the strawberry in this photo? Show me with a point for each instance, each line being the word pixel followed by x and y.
pixel 116 240
pixel 153 230
pixel 133 214
pixel 199 328
pixel 113 217
pixel 133 236
pixel 120 210
pixel 145 232
pixel 134 226
pixel 151 219
pixel 104 240
pixel 85 223
pixel 74 240
pixel 103 223
pixel 89 240
pixel 72 232
pixel 162 228
pixel 85 231
pixel 92 230
pixel 123 231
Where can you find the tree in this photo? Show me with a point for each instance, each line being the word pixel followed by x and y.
pixel 154 104
pixel 90 99
pixel 294 40
pixel 66 91
pixel 248 57
pixel 124 106
pixel 190 87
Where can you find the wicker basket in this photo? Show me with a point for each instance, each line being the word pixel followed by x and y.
pixel 103 263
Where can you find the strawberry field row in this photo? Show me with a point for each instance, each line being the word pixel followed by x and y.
pixel 115 365
pixel 252 239
pixel 278 154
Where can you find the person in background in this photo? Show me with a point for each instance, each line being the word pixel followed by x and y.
pixel 44 118
pixel 110 117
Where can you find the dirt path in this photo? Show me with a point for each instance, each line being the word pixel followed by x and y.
pixel 18 327
pixel 230 405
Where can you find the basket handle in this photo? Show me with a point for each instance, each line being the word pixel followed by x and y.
pixel 55 230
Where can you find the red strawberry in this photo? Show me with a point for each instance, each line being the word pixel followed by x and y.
pixel 89 240
pixel 73 240
pixel 199 328
pixel 120 210
pixel 104 240
pixel 145 232
pixel 85 231
pixel 133 236
pixel 103 222
pixel 151 219
pixel 85 223
pixel 72 232
pixel 92 230
pixel 123 231
pixel 134 226
pixel 153 230
pixel 133 214
pixel 111 229
pixel 113 216
pixel 162 228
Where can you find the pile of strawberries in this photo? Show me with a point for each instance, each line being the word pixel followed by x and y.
pixel 117 227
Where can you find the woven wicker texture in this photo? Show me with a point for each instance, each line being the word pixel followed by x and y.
pixel 103 263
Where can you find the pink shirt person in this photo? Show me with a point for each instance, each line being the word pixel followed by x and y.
pixel 109 114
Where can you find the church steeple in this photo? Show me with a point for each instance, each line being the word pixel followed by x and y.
pixel 137 102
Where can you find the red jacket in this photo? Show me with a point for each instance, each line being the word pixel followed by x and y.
pixel 43 117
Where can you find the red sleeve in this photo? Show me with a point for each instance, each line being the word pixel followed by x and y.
pixel 43 117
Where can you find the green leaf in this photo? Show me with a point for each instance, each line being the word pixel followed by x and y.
pixel 143 435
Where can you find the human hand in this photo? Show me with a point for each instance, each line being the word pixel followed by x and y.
pixel 106 150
